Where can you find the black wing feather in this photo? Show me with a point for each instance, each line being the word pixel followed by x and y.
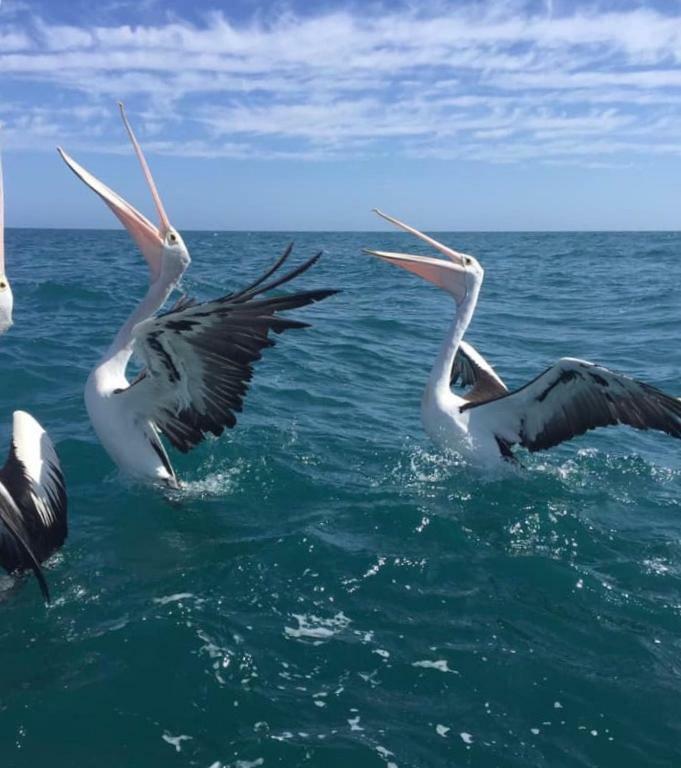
pixel 33 507
pixel 199 357
pixel 575 396
pixel 471 368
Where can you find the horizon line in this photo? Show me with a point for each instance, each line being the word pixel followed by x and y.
pixel 363 231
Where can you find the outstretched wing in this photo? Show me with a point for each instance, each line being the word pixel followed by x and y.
pixel 472 370
pixel 199 357
pixel 33 508
pixel 574 396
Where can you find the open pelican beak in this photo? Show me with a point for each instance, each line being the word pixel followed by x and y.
pixel 433 270
pixel 448 275
pixel 450 253
pixel 147 236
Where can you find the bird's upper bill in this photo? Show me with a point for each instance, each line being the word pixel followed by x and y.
pixel 448 275
pixel 6 298
pixel 149 238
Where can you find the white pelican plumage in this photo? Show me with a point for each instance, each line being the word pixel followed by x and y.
pixel 566 400
pixel 198 357
pixel 32 491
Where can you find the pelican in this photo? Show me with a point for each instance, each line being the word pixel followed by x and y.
pixel 198 357
pixel 32 491
pixel 487 421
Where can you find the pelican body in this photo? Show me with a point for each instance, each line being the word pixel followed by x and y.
pixel 130 438
pixel 198 357
pixel 488 420
pixel 33 505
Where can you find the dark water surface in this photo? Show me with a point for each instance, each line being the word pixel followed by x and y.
pixel 330 590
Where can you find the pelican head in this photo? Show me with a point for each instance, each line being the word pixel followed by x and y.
pixel 162 246
pixel 461 276
pixel 6 298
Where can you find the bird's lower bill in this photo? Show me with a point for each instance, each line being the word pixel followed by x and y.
pixel 446 275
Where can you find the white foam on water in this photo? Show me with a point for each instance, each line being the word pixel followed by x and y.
pixel 656 565
pixel 441 665
pixel 173 598
pixel 315 628
pixel 353 722
pixel 221 657
pixel 442 730
pixel 375 568
pixel 385 754
pixel 284 736
pixel 425 521
pixel 175 741
pixel 6 582
pixel 220 483
pixel 467 738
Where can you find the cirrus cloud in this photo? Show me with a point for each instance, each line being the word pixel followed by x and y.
pixel 503 82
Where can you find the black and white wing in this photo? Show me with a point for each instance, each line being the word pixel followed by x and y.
pixel 33 505
pixel 199 357
pixel 572 397
pixel 472 370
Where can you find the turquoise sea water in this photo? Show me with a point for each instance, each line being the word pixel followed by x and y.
pixel 330 590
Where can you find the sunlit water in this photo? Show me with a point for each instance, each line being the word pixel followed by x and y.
pixel 330 590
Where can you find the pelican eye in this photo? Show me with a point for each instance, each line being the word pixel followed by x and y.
pixel 3 285
pixel 172 238
pixel 467 260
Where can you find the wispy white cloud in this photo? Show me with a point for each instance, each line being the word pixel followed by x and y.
pixel 501 83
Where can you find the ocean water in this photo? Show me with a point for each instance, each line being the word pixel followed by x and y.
pixel 330 590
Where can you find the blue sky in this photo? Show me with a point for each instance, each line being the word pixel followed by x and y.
pixel 497 114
